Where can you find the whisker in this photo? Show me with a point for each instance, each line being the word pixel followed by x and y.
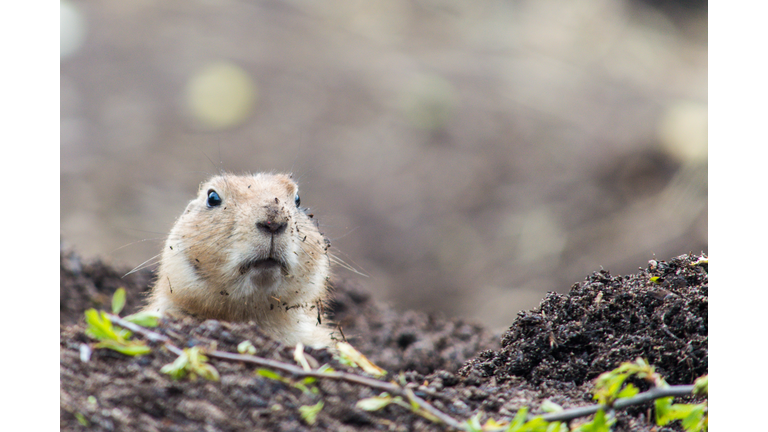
pixel 143 265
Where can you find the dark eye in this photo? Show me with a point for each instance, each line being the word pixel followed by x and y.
pixel 297 200
pixel 214 200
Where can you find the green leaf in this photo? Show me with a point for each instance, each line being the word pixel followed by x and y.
pixel 374 403
pixel 99 326
pixel 701 386
pixel 192 361
pixel 663 407
pixel 198 364
pixel 82 420
pixel 550 407
pixel 492 425
pixel 599 424
pixel 628 391
pixel 123 333
pixel 101 329
pixel 473 424
pixel 693 421
pixel 557 427
pixel 309 412
pixel 269 374
pixel 177 369
pixel 519 419
pixel 536 424
pixel 326 368
pixel 246 347
pixel 302 387
pixel 208 372
pixel 133 348
pixel 144 319
pixel 118 301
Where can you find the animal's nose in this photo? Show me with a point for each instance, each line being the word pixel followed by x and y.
pixel 272 227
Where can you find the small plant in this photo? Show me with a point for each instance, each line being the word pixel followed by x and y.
pixel 518 424
pixel 694 417
pixel 379 402
pixel 191 362
pixel 309 412
pixel 609 386
pixel 118 301
pixel 305 385
pixel 246 347
pixel 144 319
pixel 117 339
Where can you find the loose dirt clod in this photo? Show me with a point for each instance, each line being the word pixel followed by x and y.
pixel 553 351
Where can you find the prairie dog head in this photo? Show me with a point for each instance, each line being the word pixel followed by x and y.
pixel 245 250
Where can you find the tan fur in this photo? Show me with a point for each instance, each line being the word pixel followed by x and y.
pixel 204 269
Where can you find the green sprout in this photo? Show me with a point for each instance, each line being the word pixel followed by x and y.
pixel 82 420
pixel 379 402
pixel 609 385
pixel 309 412
pixel 518 424
pixel 701 386
pixel 118 301
pixel 101 329
pixel 694 417
pixel 144 319
pixel 305 385
pixel 191 362
pixel 246 347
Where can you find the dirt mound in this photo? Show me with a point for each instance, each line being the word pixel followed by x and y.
pixel 659 313
pixel 550 352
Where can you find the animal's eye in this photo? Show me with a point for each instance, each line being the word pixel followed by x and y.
pixel 297 200
pixel 214 200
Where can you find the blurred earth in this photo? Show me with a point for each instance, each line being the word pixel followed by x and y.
pixel 454 152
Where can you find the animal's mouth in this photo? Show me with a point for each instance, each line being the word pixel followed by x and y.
pixel 262 264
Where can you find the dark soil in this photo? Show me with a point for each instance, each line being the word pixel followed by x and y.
pixel 552 352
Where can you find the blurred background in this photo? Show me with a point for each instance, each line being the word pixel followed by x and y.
pixel 467 157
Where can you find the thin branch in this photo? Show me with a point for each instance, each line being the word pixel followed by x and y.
pixel 650 395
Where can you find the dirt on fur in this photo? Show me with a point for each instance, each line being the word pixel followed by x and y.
pixel 551 352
